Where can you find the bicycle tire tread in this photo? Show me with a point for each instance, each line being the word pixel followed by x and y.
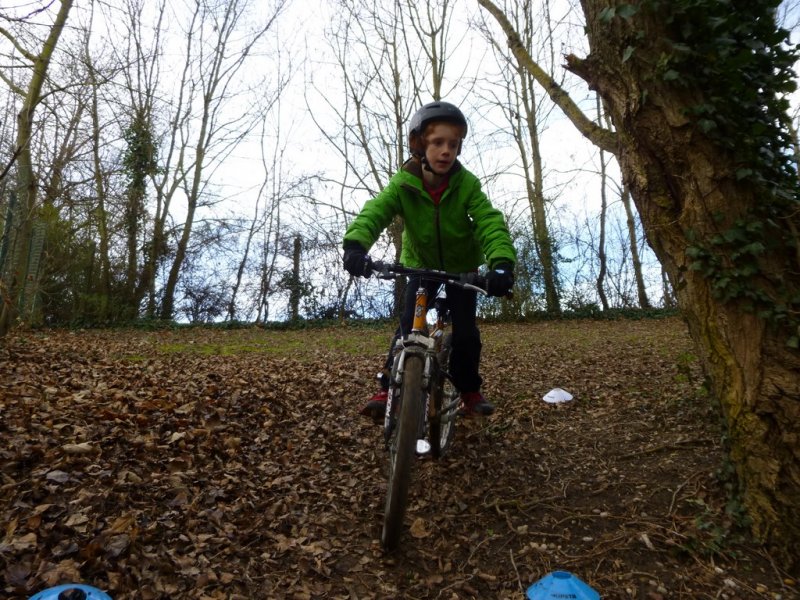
pixel 404 440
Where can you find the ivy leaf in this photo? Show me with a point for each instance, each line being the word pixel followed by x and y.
pixel 706 125
pixel 735 234
pixel 696 266
pixel 607 14
pixel 722 283
pixel 626 11
pixel 627 53
pixel 754 248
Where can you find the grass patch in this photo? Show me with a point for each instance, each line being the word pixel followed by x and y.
pixel 289 343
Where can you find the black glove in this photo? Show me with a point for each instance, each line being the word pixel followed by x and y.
pixel 500 280
pixel 356 261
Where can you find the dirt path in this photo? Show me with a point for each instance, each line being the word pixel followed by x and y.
pixel 233 464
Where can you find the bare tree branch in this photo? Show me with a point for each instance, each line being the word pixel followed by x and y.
pixel 602 138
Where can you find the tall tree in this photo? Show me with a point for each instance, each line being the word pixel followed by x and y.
pixel 273 191
pixel 371 53
pixel 143 158
pixel 103 287
pixel 13 290
pixel 602 266
pixel 630 222
pixel 526 113
pixel 695 90
pixel 221 58
pixel 633 240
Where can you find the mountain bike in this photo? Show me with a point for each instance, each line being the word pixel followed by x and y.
pixel 423 403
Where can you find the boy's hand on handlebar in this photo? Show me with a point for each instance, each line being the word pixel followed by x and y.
pixel 356 261
pixel 500 280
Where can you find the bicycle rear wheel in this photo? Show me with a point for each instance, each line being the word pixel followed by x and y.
pixel 402 446
pixel 442 425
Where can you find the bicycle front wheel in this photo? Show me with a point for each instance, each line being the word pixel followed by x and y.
pixel 402 446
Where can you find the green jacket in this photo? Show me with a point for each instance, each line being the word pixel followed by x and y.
pixel 458 235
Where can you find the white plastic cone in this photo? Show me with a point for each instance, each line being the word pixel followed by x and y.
pixel 557 395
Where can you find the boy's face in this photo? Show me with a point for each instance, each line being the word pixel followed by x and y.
pixel 442 141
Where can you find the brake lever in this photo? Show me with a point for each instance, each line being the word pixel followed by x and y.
pixel 381 269
pixel 473 281
pixel 469 286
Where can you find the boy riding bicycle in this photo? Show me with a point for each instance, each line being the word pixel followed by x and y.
pixel 449 225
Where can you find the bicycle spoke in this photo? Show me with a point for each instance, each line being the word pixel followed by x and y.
pixel 445 401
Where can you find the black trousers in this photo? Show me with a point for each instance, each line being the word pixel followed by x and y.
pixel 465 357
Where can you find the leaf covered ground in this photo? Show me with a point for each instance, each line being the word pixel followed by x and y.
pixel 210 463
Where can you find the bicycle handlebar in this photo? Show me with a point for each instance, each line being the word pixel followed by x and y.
pixel 471 281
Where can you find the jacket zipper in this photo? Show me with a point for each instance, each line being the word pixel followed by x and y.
pixel 439 236
pixel 436 220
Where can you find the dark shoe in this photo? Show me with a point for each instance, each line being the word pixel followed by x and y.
pixel 376 406
pixel 474 404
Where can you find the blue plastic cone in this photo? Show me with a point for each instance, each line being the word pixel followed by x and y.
pixel 561 585
pixel 89 592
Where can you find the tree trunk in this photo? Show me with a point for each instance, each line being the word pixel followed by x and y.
pixel 668 291
pixel 104 289
pixel 395 233
pixel 134 200
pixel 294 292
pixel 143 164
pixel 237 282
pixel 168 304
pixel 601 242
pixel 686 188
pixel 534 184
pixel 544 242
pixel 641 290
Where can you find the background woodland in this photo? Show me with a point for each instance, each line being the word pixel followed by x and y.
pixel 200 161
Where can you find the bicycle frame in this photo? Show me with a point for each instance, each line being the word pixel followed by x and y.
pixel 418 342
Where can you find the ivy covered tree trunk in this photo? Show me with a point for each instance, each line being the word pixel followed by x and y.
pixel 139 163
pixel 703 142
